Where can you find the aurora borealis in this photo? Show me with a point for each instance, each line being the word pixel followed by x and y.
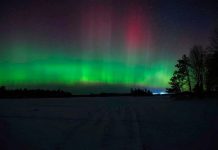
pixel 93 43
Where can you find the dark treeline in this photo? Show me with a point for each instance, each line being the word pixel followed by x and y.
pixel 28 93
pixel 140 92
pixel 133 92
pixel 197 73
pixel 39 93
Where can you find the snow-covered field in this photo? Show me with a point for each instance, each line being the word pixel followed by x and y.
pixel 103 123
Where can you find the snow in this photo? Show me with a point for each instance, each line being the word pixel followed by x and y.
pixel 108 123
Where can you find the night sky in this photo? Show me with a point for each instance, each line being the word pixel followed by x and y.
pixel 91 46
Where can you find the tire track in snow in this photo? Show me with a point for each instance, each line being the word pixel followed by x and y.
pixel 113 137
pixel 87 133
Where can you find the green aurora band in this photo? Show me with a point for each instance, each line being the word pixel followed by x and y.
pixel 26 65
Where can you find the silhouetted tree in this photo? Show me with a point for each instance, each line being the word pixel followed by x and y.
pixel 199 70
pixel 175 83
pixel 211 63
pixel 197 61
pixel 2 88
pixel 181 76
pixel 183 70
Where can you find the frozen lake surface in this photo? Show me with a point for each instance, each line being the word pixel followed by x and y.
pixel 108 123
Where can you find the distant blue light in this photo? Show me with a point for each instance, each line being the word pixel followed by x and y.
pixel 159 93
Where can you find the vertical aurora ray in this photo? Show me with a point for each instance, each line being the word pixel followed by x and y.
pixel 104 47
pixel 138 30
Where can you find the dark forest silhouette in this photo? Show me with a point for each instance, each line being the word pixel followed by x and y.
pixel 34 93
pixel 140 92
pixel 39 93
pixel 197 74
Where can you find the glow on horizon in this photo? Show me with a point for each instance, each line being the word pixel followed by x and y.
pixel 33 66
